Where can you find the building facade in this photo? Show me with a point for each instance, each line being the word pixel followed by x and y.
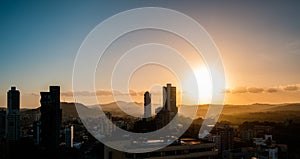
pixel 2 123
pixel 226 134
pixel 169 97
pixel 51 116
pixel 147 105
pixel 13 115
pixel 69 136
pixel 169 109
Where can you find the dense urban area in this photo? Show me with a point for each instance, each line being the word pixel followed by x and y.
pixel 55 130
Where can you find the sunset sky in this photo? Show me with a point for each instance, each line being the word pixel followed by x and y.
pixel 259 42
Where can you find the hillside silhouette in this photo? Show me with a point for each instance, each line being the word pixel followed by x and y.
pixel 233 113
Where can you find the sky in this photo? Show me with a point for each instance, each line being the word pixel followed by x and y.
pixel 259 42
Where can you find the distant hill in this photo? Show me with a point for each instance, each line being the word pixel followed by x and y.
pixel 232 113
pixel 121 108
pixel 286 107
pixel 70 110
pixel 262 112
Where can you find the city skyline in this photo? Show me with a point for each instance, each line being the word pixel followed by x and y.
pixel 289 92
pixel 149 79
pixel 259 43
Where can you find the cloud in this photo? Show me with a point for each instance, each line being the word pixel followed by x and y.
pixel 239 90
pixel 294 46
pixel 227 91
pixel 236 90
pixel 243 89
pixel 104 93
pixel 79 93
pixel 84 93
pixel 133 93
pixel 67 94
pixel 255 90
pixel 35 94
pixel 100 93
pixel 159 93
pixel 140 93
pixel 272 90
pixel 290 88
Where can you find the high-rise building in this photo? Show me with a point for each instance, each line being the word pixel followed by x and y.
pixel 51 116
pixel 37 132
pixel 147 105
pixel 169 97
pixel 13 115
pixel 69 135
pixel 215 139
pixel 226 134
pixel 2 123
pixel 169 109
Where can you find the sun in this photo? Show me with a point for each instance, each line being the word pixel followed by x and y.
pixel 197 87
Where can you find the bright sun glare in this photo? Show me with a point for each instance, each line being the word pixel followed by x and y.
pixel 203 94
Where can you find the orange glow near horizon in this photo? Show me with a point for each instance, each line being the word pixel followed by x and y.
pixel 202 91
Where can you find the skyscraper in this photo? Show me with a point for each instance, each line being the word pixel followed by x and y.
pixel 50 118
pixel 37 132
pixel 69 135
pixel 169 109
pixel 169 97
pixel 2 123
pixel 226 134
pixel 147 105
pixel 13 115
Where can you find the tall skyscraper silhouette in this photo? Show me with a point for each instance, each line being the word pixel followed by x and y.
pixel 169 97
pixel 50 118
pixel 13 115
pixel 2 123
pixel 147 105
pixel 37 132
pixel 169 109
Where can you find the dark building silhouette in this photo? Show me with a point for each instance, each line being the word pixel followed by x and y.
pixel 69 136
pixel 37 132
pixel 13 115
pixel 226 134
pixel 169 109
pixel 169 95
pixel 2 123
pixel 51 116
pixel 147 105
